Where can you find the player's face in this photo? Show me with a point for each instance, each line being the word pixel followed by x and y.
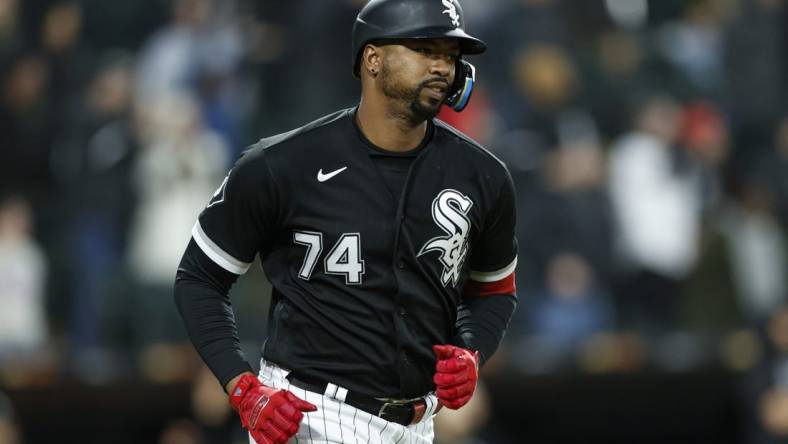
pixel 419 73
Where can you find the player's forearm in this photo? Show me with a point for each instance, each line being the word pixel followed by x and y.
pixel 201 295
pixel 482 323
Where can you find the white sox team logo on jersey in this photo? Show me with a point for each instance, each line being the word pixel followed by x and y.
pixel 449 211
pixel 451 9
pixel 218 195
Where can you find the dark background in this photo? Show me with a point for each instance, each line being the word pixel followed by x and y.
pixel 648 141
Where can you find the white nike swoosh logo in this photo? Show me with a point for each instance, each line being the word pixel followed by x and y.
pixel 324 177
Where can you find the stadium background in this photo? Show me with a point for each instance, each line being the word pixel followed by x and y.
pixel 648 141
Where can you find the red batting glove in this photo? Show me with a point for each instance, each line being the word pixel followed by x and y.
pixel 270 415
pixel 456 373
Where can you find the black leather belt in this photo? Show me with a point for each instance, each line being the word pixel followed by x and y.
pixel 403 412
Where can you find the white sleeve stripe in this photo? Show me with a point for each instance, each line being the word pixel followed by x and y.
pixel 219 256
pixel 493 276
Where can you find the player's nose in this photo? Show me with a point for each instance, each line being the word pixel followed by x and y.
pixel 441 65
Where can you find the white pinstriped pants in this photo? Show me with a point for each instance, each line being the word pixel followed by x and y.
pixel 336 422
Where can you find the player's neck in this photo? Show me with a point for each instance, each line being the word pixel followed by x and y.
pixel 388 130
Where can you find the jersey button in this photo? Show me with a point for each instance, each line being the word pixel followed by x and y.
pixel 403 312
pixel 401 265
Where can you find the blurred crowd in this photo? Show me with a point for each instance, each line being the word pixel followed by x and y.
pixel 648 141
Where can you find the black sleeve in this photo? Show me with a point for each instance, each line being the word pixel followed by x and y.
pixel 482 322
pixel 238 222
pixel 201 295
pixel 240 219
pixel 489 296
pixel 494 253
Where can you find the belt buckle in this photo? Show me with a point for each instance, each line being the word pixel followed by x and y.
pixel 415 413
pixel 391 403
pixel 382 409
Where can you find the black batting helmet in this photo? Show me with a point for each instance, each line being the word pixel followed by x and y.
pixel 411 19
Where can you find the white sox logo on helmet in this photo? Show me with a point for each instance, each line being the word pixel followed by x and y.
pixel 451 9
pixel 449 211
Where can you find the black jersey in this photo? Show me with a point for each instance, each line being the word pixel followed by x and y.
pixel 364 282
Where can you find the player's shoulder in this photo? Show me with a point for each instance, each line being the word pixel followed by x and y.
pixel 303 135
pixel 257 158
pixel 464 147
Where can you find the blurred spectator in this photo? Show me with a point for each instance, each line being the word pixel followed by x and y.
pixel 528 71
pixel 709 300
pixel 92 162
pixel 616 74
pixel 225 91
pixel 169 60
pixel 561 319
pixel 756 45
pixel 715 278
pixel 704 133
pixel 26 125
pixel 199 51
pixel 694 45
pixel 180 165
pixel 545 83
pixel 744 251
pixel 566 315
pixel 23 273
pixel 61 26
pixel 329 83
pixel 758 251
pixel 564 207
pixel 511 29
pixel 68 61
pixel 572 307
pixel 656 192
pixel 9 431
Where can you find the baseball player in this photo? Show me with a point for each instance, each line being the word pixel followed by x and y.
pixel 388 238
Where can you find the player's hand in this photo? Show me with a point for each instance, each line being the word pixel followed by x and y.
pixel 456 373
pixel 270 415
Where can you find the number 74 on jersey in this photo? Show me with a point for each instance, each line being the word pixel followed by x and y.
pixel 344 258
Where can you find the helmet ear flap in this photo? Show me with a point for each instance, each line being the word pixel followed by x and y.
pixel 462 88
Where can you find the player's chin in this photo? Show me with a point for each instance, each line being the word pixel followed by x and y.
pixel 428 107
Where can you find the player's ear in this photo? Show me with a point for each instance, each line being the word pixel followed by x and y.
pixel 371 59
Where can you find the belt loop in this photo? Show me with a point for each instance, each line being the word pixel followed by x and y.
pixel 265 370
pixel 341 394
pixel 331 390
pixel 336 392
pixel 273 370
pixel 432 405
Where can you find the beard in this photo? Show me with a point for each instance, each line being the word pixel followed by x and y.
pixel 420 109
